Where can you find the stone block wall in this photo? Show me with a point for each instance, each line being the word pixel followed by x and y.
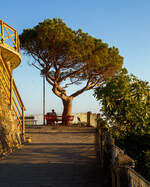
pixel 87 119
pixel 10 132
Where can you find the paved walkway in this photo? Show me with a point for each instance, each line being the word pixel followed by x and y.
pixel 57 157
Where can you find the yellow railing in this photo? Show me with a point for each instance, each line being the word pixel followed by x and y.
pixel 9 37
pixel 12 93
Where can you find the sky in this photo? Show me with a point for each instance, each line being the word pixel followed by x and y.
pixel 123 24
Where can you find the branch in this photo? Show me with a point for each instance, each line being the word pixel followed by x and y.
pixel 36 66
pixel 73 73
pixel 37 59
pixel 72 82
pixel 57 74
pixel 81 90
pixel 88 86
pixel 49 81
pixel 59 91
pixel 50 77
pixel 55 63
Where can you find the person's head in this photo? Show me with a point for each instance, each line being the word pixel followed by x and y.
pixel 53 110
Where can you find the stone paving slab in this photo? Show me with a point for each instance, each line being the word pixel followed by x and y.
pixel 57 157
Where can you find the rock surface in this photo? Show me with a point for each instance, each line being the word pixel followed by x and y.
pixel 10 132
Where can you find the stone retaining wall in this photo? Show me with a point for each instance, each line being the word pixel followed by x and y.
pixel 87 119
pixel 117 162
pixel 123 173
pixel 82 119
pixel 10 132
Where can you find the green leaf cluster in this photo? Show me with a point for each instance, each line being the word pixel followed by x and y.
pixel 126 104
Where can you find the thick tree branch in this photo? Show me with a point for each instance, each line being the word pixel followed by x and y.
pixel 50 76
pixel 89 85
pixel 59 91
pixel 81 90
pixel 49 81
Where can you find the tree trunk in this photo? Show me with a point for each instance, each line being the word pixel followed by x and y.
pixel 67 103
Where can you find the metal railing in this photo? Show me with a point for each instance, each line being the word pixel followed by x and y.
pixel 9 37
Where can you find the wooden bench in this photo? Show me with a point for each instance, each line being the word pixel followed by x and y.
pixel 50 119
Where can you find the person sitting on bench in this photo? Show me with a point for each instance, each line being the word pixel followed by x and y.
pixel 53 113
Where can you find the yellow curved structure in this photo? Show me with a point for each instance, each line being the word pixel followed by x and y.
pixel 10 58
pixel 9 45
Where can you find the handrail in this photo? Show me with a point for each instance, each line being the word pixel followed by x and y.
pixel 12 92
pixel 9 76
pixel 9 39
pixel 17 93
pixel 9 36
pixel 134 178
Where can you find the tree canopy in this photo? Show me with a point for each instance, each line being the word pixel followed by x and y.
pixel 69 57
pixel 126 103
